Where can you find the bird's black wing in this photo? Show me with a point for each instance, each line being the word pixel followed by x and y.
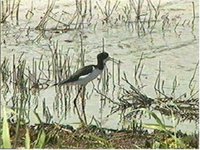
pixel 81 72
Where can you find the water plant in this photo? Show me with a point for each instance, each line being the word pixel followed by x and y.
pixel 10 8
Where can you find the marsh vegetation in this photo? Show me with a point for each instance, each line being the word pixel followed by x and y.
pixel 146 99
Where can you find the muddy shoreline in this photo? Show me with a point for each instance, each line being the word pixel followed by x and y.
pixel 91 136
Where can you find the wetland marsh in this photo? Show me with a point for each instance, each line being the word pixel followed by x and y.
pixel 152 88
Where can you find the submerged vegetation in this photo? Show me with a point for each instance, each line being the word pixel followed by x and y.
pixel 24 80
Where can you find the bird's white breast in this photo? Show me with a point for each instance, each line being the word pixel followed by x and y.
pixel 89 77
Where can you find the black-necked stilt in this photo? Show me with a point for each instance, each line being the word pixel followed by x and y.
pixel 84 75
pixel 87 73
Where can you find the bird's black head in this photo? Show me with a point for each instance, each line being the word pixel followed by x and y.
pixel 103 57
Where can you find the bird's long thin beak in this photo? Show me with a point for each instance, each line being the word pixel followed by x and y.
pixel 114 60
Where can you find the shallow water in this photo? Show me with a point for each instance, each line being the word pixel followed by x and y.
pixel 177 50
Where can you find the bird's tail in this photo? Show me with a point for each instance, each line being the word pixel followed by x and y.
pixel 54 84
pixel 60 83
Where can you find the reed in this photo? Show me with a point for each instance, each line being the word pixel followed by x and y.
pixel 137 7
pixel 119 72
pixel 138 69
pixel 8 9
pixel 158 82
pixel 45 18
pixel 107 10
pixel 17 12
pixel 194 16
pixel 5 73
pixel 127 12
pixel 165 21
pixel 156 13
pixel 177 23
pixel 192 85
pixel 81 8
